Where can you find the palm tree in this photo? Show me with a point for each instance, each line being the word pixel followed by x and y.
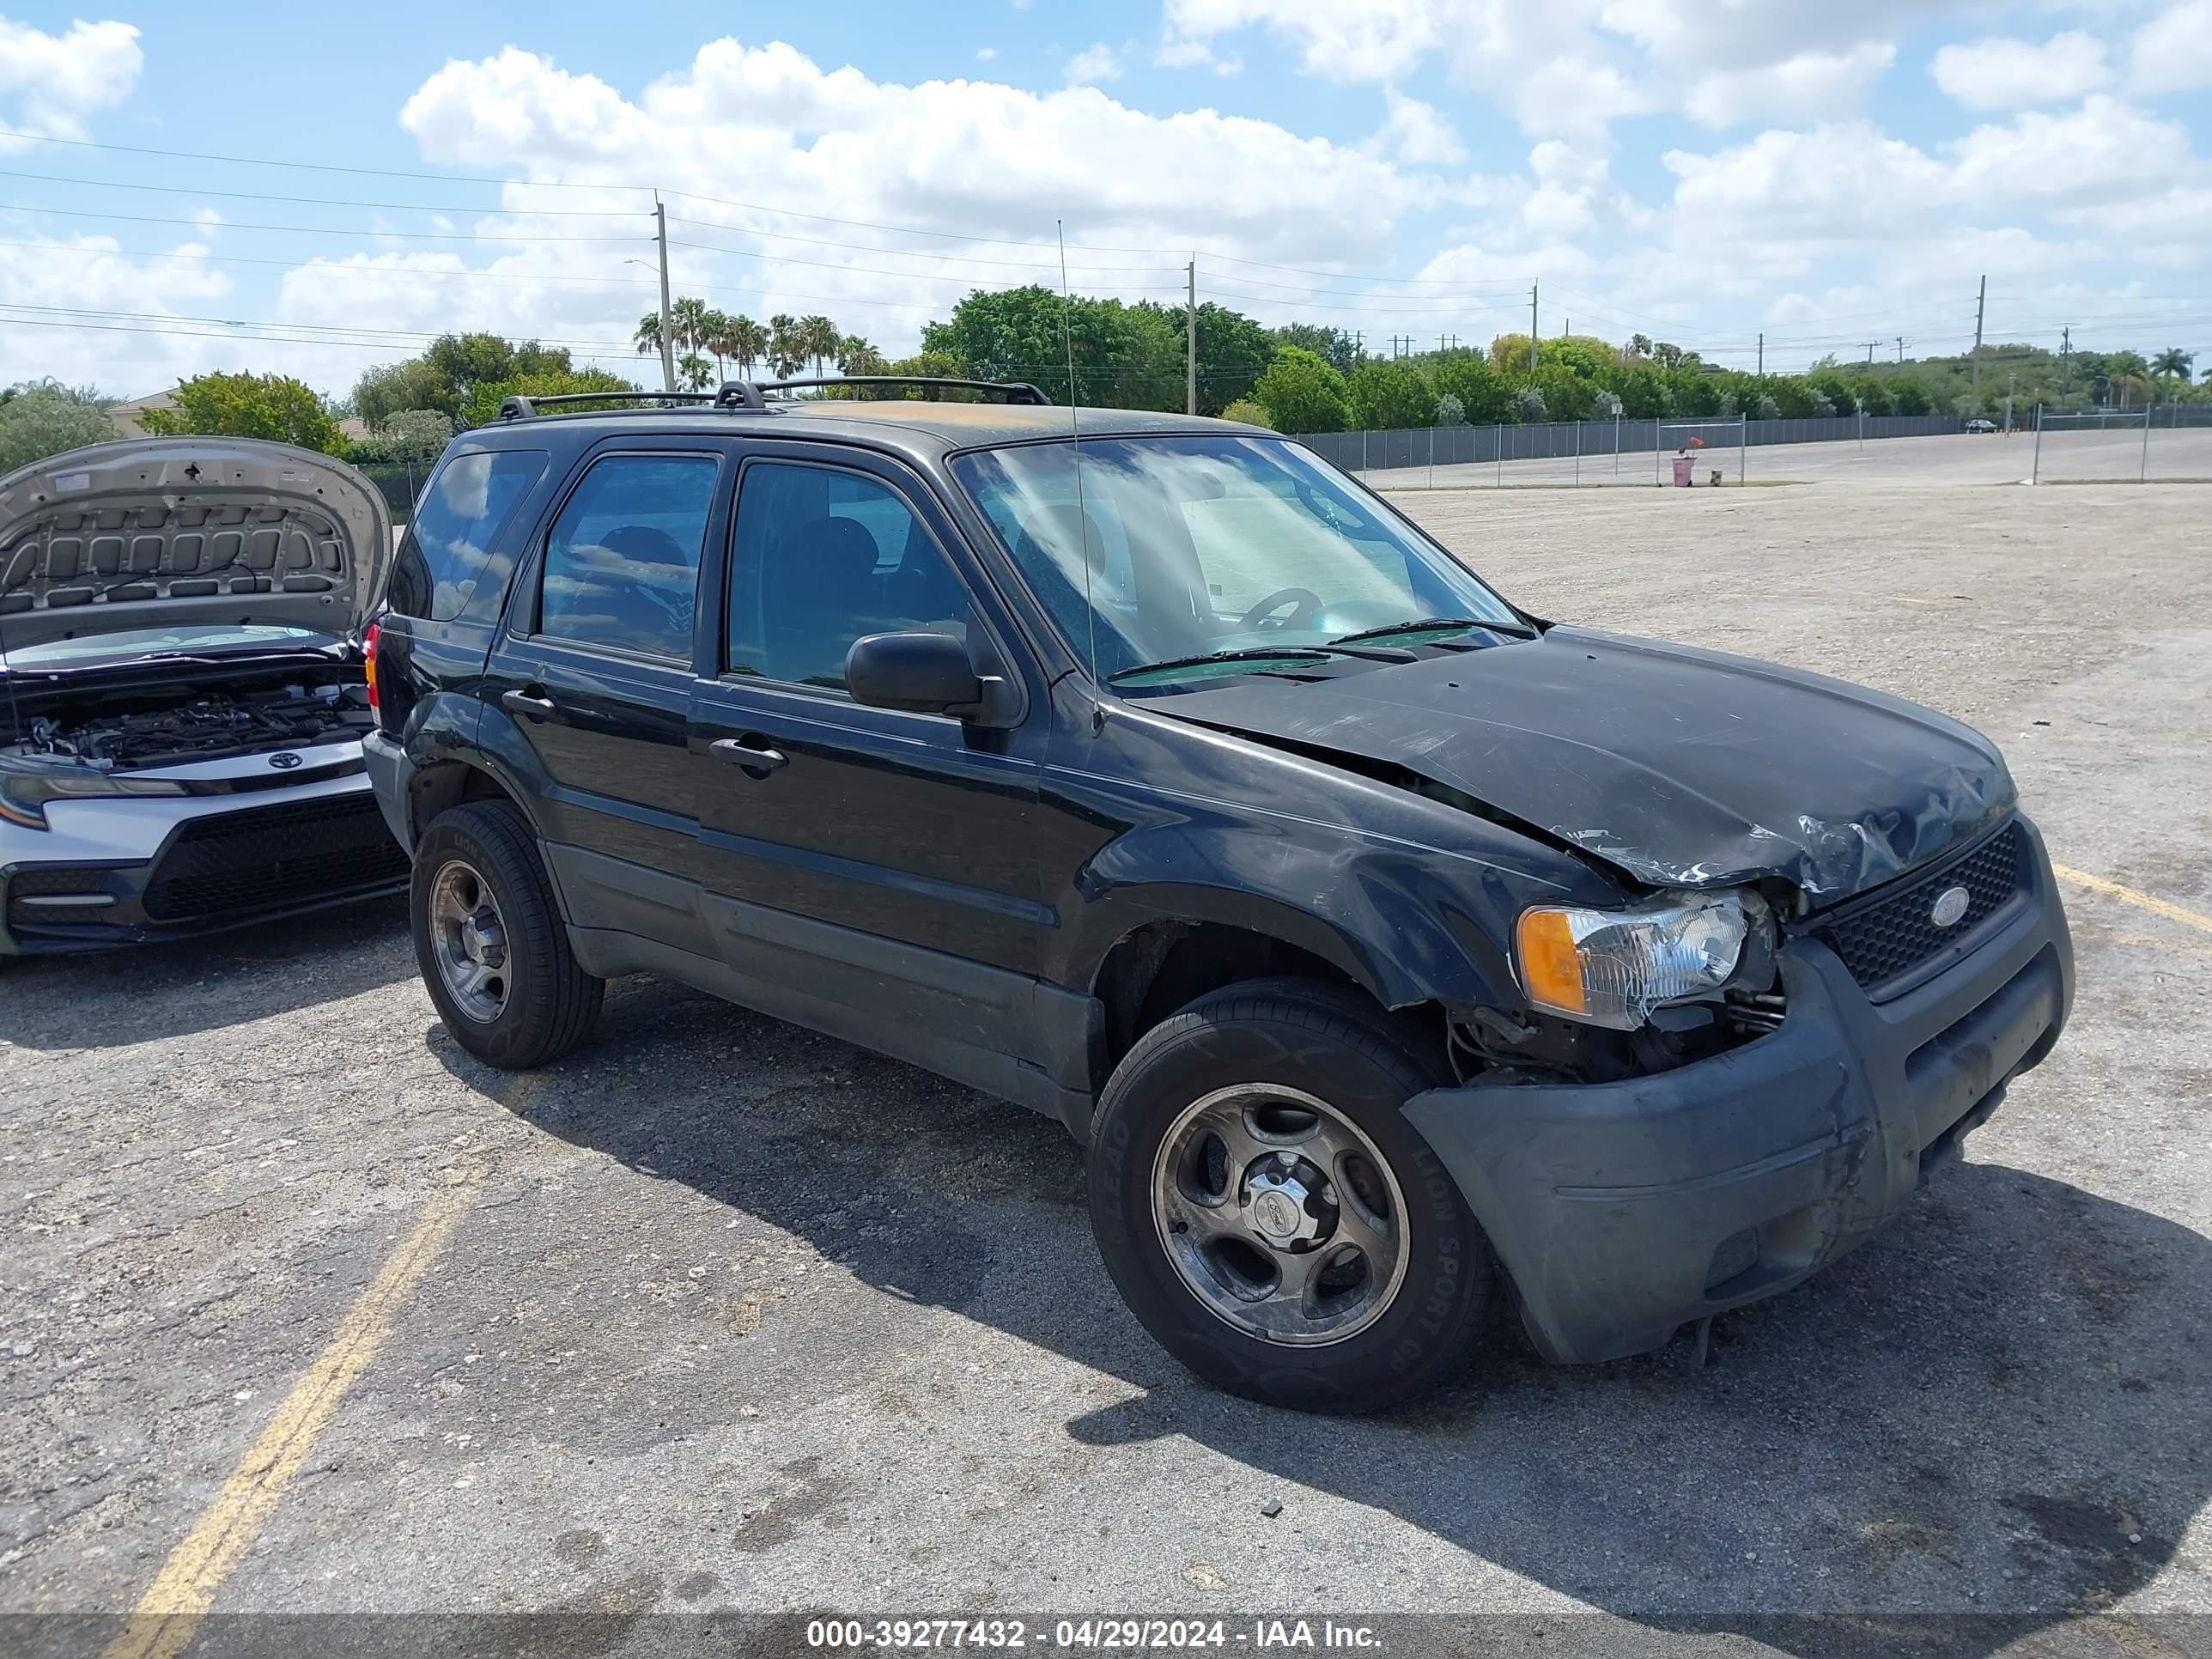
pixel 786 350
pixel 2174 363
pixel 818 338
pixel 648 333
pixel 688 317
pixel 693 371
pixel 743 341
pixel 856 357
pixel 713 327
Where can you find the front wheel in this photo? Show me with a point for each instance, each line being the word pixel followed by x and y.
pixel 1270 1215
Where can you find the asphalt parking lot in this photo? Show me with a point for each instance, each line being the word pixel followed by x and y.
pixel 718 1314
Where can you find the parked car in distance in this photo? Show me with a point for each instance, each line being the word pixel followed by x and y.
pixel 1981 426
pixel 182 691
pixel 1398 954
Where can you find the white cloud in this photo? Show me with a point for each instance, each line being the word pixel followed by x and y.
pixel 1809 85
pixel 65 279
pixel 1573 66
pixel 2173 51
pixel 985 54
pixel 57 78
pixel 1094 63
pixel 2007 74
pixel 1417 132
pixel 1849 181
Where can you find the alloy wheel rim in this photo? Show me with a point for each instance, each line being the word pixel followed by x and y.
pixel 1279 1214
pixel 468 939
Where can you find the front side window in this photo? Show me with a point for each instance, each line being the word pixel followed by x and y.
pixel 820 557
pixel 622 566
pixel 451 565
pixel 1187 546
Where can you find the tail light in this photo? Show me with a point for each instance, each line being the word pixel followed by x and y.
pixel 368 665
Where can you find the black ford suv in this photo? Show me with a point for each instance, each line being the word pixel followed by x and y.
pixel 1396 953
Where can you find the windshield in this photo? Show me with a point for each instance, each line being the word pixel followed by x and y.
pixel 125 644
pixel 1201 545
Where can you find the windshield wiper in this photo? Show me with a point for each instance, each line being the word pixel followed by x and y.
pixel 1432 625
pixel 1313 653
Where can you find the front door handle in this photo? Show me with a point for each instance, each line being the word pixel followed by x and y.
pixel 742 754
pixel 522 702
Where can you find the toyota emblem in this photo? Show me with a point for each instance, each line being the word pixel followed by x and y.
pixel 285 760
pixel 1949 908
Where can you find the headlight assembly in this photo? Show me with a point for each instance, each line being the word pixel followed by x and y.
pixel 24 793
pixel 1612 968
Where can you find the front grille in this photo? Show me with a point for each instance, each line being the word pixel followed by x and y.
pixel 274 856
pixel 1890 934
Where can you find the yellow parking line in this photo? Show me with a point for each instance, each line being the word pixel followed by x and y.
pixel 2150 902
pixel 167 1615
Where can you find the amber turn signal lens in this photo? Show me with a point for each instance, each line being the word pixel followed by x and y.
pixel 1551 967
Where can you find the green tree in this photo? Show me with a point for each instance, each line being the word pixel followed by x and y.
pixel 272 406
pixel 744 342
pixel 1302 393
pixel 482 407
pixel 2174 363
pixel 856 356
pixel 47 418
pixel 446 374
pixel 693 372
pixel 1387 395
pixel 411 435
pixel 1126 356
pixel 1341 351
pixel 648 338
pixel 1249 412
pixel 690 320
pixel 1233 352
pixel 786 350
pixel 819 339
pixel 1485 398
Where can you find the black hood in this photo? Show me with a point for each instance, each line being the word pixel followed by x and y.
pixel 1683 768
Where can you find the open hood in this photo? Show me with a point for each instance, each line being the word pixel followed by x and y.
pixel 151 533
pixel 1682 767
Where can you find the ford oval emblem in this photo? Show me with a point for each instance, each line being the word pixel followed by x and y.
pixel 1949 908
pixel 285 760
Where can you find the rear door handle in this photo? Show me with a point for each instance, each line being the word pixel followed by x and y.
pixel 522 702
pixel 744 755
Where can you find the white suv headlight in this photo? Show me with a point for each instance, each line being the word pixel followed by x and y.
pixel 1613 968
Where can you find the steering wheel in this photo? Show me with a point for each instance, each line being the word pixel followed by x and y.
pixel 1308 607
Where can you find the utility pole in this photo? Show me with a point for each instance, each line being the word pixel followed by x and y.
pixel 1901 347
pixel 1981 306
pixel 2065 340
pixel 1871 345
pixel 667 329
pixel 1762 356
pixel 1532 328
pixel 1190 344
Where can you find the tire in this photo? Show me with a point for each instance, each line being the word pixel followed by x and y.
pixel 540 1004
pixel 1166 1211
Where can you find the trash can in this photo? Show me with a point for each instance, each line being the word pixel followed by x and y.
pixel 1684 467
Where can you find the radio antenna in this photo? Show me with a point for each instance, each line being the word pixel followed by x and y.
pixel 1075 444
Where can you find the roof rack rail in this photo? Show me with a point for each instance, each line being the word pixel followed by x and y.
pixel 1014 391
pixel 521 408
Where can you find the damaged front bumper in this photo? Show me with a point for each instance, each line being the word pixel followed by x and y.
pixel 1623 1210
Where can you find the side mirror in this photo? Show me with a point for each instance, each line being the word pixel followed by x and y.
pixel 921 673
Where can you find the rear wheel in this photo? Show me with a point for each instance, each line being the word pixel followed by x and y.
pixel 494 954
pixel 1269 1213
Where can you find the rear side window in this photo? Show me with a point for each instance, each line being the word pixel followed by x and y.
pixel 451 565
pixel 622 566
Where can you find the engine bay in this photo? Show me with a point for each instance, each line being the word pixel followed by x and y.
pixel 129 731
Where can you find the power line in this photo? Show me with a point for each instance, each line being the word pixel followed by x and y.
pixel 320 201
pixel 310 230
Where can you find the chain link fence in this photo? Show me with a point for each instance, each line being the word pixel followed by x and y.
pixel 2168 442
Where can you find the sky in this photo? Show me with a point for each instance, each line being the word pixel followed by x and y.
pixel 317 190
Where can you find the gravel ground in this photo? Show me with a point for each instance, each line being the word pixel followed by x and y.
pixel 739 1317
